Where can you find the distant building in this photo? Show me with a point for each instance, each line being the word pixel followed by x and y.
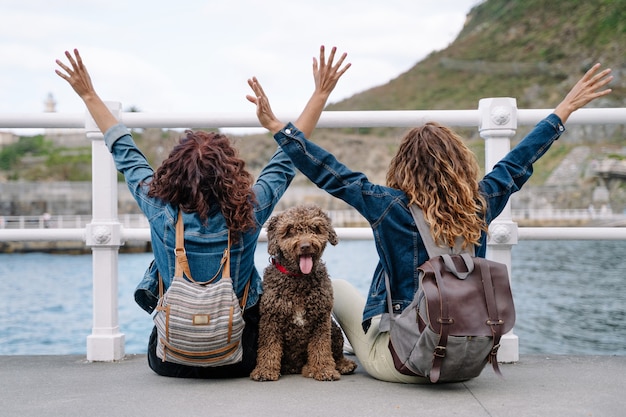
pixel 63 137
pixel 50 105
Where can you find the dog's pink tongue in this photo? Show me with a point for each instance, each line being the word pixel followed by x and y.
pixel 306 264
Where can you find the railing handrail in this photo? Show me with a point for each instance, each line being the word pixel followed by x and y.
pixel 340 218
pixel 65 221
pixel 328 119
pixel 344 233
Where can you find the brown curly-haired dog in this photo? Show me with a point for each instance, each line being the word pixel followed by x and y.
pixel 296 331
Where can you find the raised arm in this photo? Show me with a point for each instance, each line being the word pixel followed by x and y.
pixel 325 73
pixel 79 79
pixel 584 91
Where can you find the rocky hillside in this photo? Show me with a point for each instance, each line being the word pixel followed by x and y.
pixel 529 49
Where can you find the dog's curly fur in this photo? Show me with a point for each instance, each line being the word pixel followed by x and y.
pixel 296 331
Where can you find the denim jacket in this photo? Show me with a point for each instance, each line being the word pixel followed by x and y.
pixel 205 241
pixel 398 243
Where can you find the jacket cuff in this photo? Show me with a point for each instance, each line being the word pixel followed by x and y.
pixel 114 133
pixel 556 123
pixel 286 133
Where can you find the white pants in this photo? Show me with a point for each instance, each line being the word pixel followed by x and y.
pixel 371 348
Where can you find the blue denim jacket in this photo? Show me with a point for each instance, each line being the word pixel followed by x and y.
pixel 204 241
pixel 398 243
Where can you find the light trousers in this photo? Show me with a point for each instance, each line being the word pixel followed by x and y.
pixel 371 348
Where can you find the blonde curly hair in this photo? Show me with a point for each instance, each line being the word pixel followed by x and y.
pixel 439 173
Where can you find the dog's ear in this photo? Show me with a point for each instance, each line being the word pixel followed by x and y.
pixel 332 235
pixel 272 240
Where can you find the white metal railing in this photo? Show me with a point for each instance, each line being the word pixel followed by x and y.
pixel 547 214
pixel 339 218
pixel 497 120
pixel 65 221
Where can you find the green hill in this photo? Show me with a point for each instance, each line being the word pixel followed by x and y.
pixel 532 50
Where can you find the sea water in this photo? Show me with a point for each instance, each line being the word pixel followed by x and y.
pixel 570 297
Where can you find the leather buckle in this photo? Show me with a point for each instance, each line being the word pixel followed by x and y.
pixel 440 351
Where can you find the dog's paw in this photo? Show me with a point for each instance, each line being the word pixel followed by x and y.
pixel 327 375
pixel 345 366
pixel 262 374
pixel 322 374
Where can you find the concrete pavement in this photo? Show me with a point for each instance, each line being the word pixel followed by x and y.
pixel 70 386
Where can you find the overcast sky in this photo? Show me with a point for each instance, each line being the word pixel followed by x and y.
pixel 196 55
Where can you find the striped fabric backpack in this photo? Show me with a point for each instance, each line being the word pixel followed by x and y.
pixel 199 323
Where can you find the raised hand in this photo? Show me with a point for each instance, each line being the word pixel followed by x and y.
pixel 326 76
pixel 79 79
pixel 263 109
pixel 587 89
pixel 325 73
pixel 77 76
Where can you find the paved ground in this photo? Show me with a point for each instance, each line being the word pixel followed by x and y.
pixel 69 386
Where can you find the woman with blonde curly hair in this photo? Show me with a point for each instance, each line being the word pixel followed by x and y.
pixel 204 178
pixel 447 188
pixel 435 170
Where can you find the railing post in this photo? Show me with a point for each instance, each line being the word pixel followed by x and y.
pixel 498 123
pixel 103 235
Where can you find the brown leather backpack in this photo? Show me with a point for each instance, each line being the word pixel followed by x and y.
pixel 461 310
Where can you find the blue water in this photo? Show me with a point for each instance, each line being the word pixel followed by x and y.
pixel 570 297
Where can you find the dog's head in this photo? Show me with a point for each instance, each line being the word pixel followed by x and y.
pixel 297 237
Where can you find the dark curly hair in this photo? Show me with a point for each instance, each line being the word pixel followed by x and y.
pixel 202 170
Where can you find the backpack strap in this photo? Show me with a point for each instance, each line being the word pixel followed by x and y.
pixel 431 247
pixel 494 322
pixel 388 287
pixel 440 350
pixel 434 250
pixel 182 264
pixel 179 252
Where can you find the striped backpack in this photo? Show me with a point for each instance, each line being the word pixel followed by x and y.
pixel 199 323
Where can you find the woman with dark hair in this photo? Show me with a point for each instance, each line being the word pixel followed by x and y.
pixel 211 172
pixel 435 170
pixel 204 177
